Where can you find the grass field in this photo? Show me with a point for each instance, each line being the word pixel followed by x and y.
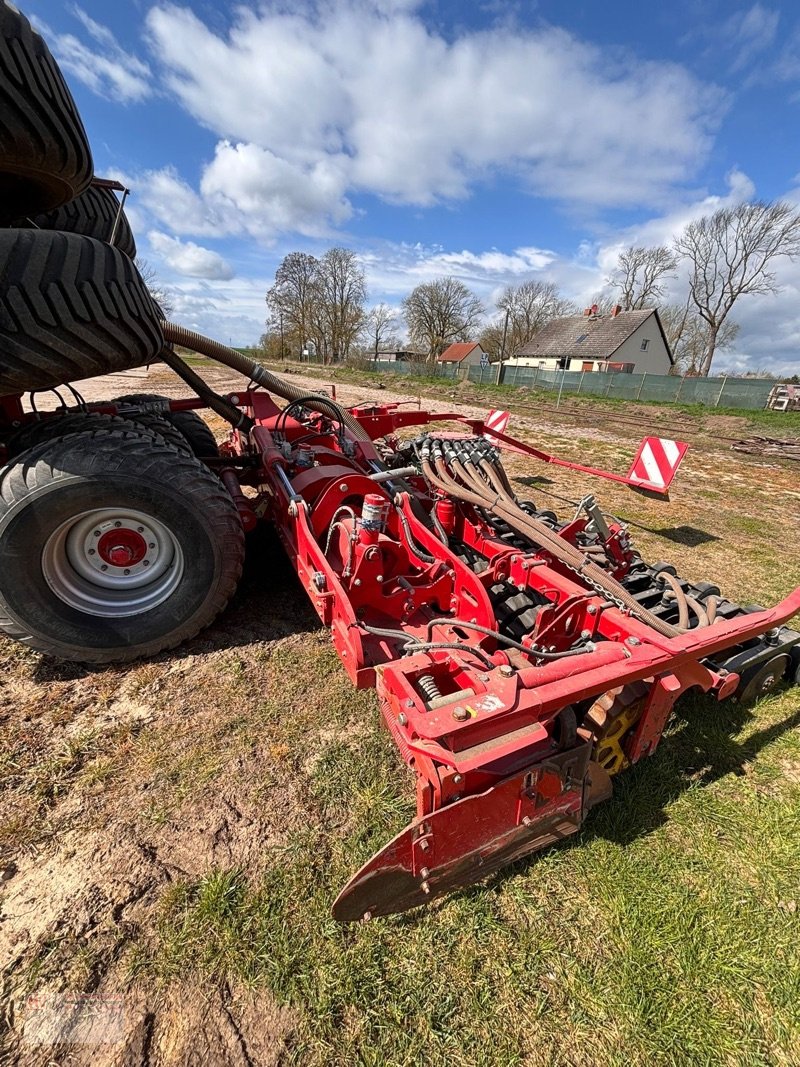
pixel 173 833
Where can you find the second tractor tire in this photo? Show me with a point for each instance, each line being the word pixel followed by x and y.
pixel 92 214
pixel 197 432
pixel 70 308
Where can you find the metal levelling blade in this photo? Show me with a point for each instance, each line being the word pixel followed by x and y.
pixel 464 842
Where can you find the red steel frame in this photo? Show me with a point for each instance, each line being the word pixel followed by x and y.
pixel 493 780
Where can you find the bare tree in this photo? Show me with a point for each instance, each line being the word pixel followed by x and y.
pixel 640 275
pixel 341 292
pixel 157 290
pixel 440 312
pixel 318 301
pixel 687 334
pixel 379 324
pixel 530 306
pixel 730 254
pixel 292 300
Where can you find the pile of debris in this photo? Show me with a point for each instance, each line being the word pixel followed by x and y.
pixel 768 446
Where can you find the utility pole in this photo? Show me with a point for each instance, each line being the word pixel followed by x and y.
pixel 502 348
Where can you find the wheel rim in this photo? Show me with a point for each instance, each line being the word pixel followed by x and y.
pixel 112 562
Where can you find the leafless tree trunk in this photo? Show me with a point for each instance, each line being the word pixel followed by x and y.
pixel 440 312
pixel 729 255
pixel 378 324
pixel 687 334
pixel 159 293
pixel 640 275
pixel 293 297
pixel 341 292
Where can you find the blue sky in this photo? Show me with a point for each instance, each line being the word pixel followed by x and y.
pixel 494 140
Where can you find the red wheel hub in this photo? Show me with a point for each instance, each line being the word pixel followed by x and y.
pixel 122 547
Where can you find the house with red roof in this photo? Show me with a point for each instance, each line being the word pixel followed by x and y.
pixel 464 354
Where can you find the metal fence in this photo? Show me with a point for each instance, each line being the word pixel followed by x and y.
pixel 724 391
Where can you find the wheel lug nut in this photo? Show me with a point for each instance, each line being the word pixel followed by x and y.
pixel 126 571
pixel 152 544
pixel 118 524
pixel 92 552
pixel 104 567
pixel 145 562
pixel 97 533
pixel 140 529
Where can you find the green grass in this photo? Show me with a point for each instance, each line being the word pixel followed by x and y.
pixel 666 933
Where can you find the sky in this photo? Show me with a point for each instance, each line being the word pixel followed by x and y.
pixel 495 140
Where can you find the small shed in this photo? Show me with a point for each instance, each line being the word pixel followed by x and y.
pixel 463 354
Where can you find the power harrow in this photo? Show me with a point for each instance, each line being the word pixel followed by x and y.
pixel 520 661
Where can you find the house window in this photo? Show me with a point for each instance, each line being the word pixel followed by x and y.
pixel 582 337
pixel 645 344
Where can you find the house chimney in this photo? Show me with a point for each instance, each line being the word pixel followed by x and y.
pixel 616 310
pixel 594 309
pixel 587 311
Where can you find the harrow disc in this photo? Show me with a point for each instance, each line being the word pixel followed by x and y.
pixel 763 679
pixel 608 721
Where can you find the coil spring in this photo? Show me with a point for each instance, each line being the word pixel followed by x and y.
pixel 430 690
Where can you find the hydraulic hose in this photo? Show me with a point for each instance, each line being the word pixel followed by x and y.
pixel 249 368
pixel 498 503
pixel 223 407
pixel 680 596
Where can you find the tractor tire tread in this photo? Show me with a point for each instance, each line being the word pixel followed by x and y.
pixel 159 461
pixel 70 308
pixel 45 159
pixel 91 214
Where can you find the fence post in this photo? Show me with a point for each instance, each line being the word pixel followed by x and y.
pixel 641 386
pixel 722 390
pixel 610 383
pixel 561 386
pixel 535 376
pixel 680 386
pixel 580 383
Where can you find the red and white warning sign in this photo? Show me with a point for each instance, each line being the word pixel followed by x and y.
pixel 656 462
pixel 495 420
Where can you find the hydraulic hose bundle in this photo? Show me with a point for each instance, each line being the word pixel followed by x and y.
pixel 471 472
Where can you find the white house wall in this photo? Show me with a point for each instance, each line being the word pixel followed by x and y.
pixel 655 360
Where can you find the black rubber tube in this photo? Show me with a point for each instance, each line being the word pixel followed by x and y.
pixel 248 367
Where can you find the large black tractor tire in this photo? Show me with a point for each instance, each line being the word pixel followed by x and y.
pixel 64 425
pixel 198 434
pixel 114 546
pixel 45 158
pixel 70 308
pixel 92 214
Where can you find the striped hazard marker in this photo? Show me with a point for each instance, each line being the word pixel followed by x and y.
pixel 656 462
pixel 497 421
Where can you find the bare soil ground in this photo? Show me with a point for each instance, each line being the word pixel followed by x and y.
pixel 173 832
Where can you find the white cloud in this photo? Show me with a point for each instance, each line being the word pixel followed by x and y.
pixel 362 97
pixel 190 259
pixel 273 195
pixel 108 70
pixel 177 206
pixel 749 34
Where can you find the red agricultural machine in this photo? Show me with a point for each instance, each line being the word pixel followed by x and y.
pixel 520 661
